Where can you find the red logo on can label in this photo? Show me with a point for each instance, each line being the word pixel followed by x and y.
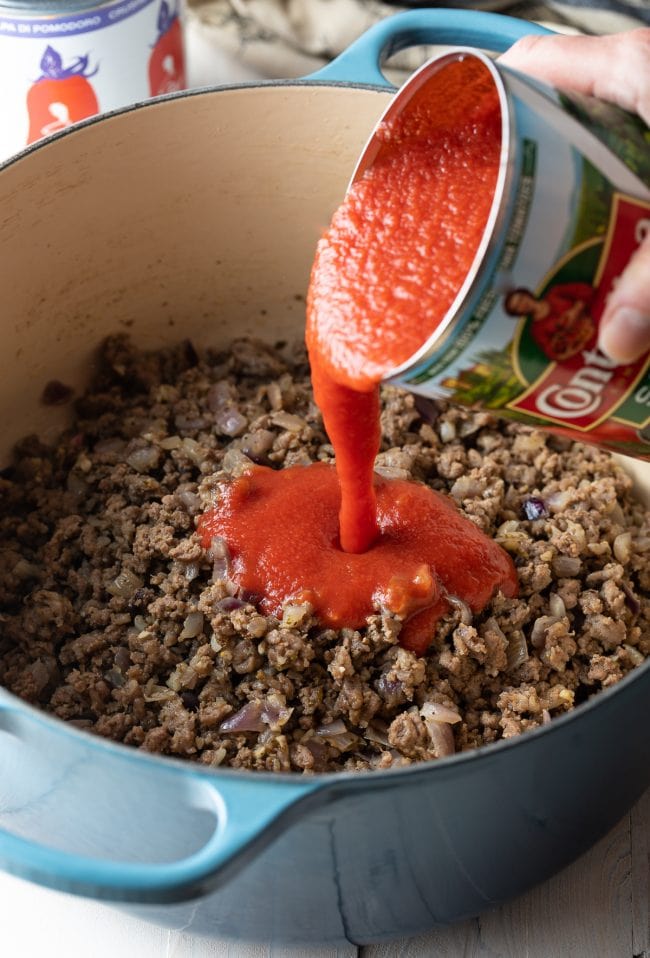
pixel 166 63
pixel 61 95
pixel 581 386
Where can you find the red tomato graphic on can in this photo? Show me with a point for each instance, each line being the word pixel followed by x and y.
pixel 60 96
pixel 166 63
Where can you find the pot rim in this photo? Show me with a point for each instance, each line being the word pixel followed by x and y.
pixel 154 102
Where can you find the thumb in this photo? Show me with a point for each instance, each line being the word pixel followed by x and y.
pixel 625 325
pixel 614 68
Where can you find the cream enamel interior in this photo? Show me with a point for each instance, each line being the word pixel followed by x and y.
pixel 191 217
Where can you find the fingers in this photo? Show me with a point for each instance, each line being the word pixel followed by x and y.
pixel 625 325
pixel 614 68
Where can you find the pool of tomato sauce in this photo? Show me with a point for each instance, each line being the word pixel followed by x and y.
pixel 387 270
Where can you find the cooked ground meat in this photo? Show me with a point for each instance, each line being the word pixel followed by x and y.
pixel 115 619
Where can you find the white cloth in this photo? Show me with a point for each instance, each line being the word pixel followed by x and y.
pixel 291 38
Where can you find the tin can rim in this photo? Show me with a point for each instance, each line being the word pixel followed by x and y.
pixel 52 8
pixel 490 232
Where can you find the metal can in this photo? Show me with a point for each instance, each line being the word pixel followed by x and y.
pixel 571 205
pixel 63 62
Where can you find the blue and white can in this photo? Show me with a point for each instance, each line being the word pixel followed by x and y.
pixel 63 62
pixel 571 206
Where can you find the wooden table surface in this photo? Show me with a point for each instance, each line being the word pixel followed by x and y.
pixel 597 908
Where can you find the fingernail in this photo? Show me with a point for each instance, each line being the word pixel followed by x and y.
pixel 624 334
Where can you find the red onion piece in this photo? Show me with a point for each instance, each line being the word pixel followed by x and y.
pixel 229 604
pixel 631 600
pixel 535 508
pixel 220 554
pixel 257 717
pixel 257 444
pixel 428 409
pixel 247 719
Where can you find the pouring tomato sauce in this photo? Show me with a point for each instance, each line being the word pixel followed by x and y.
pixel 386 272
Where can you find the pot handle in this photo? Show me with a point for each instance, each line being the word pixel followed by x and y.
pixel 247 812
pixel 362 61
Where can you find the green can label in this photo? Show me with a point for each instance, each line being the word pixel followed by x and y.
pixel 525 342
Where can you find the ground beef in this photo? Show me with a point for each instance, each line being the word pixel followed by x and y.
pixel 115 619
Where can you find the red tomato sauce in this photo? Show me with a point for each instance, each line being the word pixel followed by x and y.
pixel 401 244
pixel 385 274
pixel 282 530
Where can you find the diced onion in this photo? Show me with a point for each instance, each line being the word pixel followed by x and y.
pixel 256 717
pixel 171 442
pixel 517 651
pixel 288 421
pixel 623 547
pixel 467 487
pixel 230 422
pixel 189 423
pixel 193 450
pixel 436 712
pixel 566 566
pixel 466 615
pixel 143 459
pixel 337 735
pixel 447 431
pixel 540 628
pixel 235 463
pixel 190 500
pixel 256 444
pixel 558 500
pixel 293 615
pixel 192 626
pixel 374 734
pixel 107 446
pixel 125 584
pixel 441 735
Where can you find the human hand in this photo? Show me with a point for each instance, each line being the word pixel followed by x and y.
pixel 616 69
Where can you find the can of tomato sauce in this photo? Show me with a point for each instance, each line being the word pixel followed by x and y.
pixel 63 62
pixel 571 205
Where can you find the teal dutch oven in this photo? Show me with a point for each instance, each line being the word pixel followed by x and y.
pixel 204 209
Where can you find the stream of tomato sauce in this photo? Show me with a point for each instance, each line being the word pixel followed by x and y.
pixel 385 274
